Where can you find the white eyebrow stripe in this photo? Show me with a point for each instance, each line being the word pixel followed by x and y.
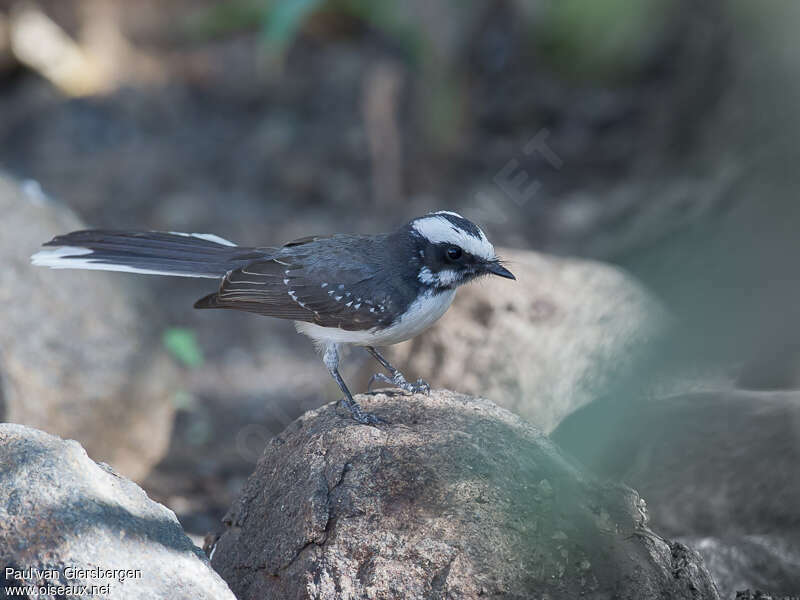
pixel 437 230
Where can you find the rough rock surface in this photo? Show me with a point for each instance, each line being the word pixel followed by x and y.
pixel 61 510
pixel 77 357
pixel 456 498
pixel 540 346
pixel 716 465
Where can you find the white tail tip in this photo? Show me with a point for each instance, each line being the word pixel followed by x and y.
pixel 71 257
pixel 64 257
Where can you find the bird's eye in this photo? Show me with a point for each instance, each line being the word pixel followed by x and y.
pixel 453 253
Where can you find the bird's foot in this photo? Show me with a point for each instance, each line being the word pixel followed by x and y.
pixel 397 380
pixel 359 414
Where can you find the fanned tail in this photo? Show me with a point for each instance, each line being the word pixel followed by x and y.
pixel 149 252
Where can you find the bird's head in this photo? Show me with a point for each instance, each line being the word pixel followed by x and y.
pixel 451 250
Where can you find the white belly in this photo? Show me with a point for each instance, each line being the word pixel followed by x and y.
pixel 423 312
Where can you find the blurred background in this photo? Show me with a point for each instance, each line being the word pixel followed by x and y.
pixel 659 136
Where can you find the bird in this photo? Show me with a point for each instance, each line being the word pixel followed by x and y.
pixel 340 289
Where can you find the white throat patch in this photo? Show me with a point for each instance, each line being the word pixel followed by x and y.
pixel 438 229
pixel 444 278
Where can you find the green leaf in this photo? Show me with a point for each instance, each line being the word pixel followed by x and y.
pixel 182 344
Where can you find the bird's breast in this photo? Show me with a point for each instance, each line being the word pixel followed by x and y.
pixel 423 312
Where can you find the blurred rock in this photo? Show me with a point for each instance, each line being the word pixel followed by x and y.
pixel 456 498
pixel 775 368
pixel 719 465
pixel 541 346
pixel 78 354
pixel 699 458
pixel 60 510
pixel 751 561
pixel 759 595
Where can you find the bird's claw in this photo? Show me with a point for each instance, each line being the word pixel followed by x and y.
pixel 360 415
pixel 366 418
pixel 420 386
pixel 397 380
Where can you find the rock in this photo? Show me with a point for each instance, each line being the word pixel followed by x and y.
pixel 775 368
pixel 78 357
pixel 61 511
pixel 759 595
pixel 738 563
pixel 457 498
pixel 718 465
pixel 540 346
pixel 699 458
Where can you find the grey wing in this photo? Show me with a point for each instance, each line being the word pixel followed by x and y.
pixel 258 288
pixel 297 284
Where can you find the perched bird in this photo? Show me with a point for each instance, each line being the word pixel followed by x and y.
pixel 366 290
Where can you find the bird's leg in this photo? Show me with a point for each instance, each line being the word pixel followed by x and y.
pixel 396 378
pixel 331 359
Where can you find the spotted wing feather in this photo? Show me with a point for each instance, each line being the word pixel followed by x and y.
pixel 326 281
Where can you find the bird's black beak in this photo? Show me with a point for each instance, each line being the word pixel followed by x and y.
pixel 495 268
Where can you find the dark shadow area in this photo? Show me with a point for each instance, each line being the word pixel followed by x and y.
pixel 74 520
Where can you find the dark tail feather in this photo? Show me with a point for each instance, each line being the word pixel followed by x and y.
pixel 213 301
pixel 151 252
pixel 210 301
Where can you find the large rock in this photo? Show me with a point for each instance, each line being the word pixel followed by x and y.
pixel 746 562
pixel 759 595
pixel 61 511
pixel 77 356
pixel 540 346
pixel 716 466
pixel 456 498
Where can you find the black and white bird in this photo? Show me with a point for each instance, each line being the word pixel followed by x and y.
pixel 365 290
